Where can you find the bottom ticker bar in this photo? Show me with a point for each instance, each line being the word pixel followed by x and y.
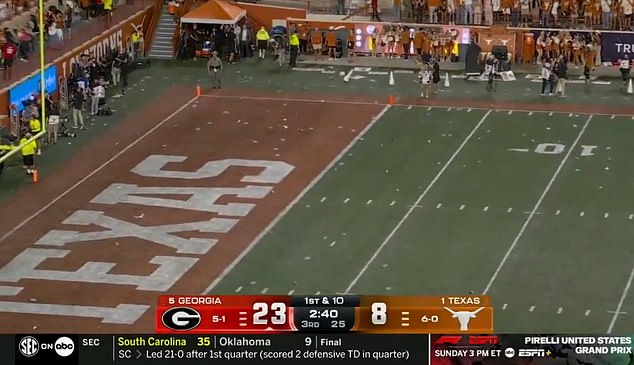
pixel 278 349
pixel 323 349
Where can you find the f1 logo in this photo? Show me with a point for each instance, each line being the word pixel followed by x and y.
pixel 181 319
pixel 448 340
pixel 29 346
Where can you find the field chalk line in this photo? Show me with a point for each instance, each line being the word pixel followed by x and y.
pixel 286 209
pixel 429 107
pixel 621 301
pixel 98 169
pixel 413 206
pixel 536 207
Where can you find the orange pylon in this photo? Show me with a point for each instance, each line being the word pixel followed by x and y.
pixel 197 90
pixel 390 100
pixel 34 176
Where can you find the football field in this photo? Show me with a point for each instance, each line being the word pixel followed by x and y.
pixel 533 208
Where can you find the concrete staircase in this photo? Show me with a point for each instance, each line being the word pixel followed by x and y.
pixel 162 47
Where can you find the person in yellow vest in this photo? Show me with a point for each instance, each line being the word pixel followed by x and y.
pixel 35 126
pixel 108 5
pixel 4 149
pixel 262 37
pixel 293 42
pixel 28 153
pixel 135 38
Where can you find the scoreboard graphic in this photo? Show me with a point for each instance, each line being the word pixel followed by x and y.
pixel 324 314
pixel 319 330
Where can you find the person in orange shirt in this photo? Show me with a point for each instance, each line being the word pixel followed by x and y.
pixel 406 42
pixel 419 38
pixel 350 48
pixel 331 42
pixel 316 40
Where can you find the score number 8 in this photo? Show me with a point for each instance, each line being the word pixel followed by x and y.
pixel 379 313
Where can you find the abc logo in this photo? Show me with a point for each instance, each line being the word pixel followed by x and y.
pixel 64 346
pixel 509 352
pixel 29 346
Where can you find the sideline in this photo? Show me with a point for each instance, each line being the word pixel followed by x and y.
pixel 439 106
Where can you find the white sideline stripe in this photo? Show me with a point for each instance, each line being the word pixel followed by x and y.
pixel 429 108
pixel 536 207
pixel 411 209
pixel 95 171
pixel 281 215
pixel 621 301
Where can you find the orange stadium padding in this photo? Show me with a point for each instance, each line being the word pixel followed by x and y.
pixel 215 12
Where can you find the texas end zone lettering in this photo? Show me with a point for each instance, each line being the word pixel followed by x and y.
pixel 169 268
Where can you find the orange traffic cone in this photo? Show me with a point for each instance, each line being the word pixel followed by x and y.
pixel 34 176
pixel 197 90
pixel 390 100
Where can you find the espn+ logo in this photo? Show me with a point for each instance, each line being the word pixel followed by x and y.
pixel 29 346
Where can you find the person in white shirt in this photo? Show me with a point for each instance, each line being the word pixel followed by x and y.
pixel 605 13
pixel 626 5
pixel 98 92
pixel 425 81
pixel 547 77
pixel 625 66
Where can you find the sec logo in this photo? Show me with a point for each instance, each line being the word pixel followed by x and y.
pixel 181 319
pixel 29 346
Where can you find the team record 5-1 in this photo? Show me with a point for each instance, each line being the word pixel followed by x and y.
pixel 324 314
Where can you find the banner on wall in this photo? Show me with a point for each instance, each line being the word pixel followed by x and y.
pixel 30 88
pixel 486 41
pixel 615 46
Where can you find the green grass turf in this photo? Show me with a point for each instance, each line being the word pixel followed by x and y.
pixel 454 241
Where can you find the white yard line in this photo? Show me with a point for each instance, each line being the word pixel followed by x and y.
pixel 344 102
pixel 416 203
pixel 281 215
pixel 95 171
pixel 626 290
pixel 536 207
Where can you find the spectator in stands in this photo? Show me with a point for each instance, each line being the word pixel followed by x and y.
pixel 375 10
pixel 8 55
pixel 68 20
pixel 108 6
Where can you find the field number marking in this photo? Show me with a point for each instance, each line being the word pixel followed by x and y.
pixel 556 149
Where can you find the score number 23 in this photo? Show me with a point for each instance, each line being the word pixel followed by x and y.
pixel 261 313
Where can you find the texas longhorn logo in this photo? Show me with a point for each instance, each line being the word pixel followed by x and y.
pixel 464 317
